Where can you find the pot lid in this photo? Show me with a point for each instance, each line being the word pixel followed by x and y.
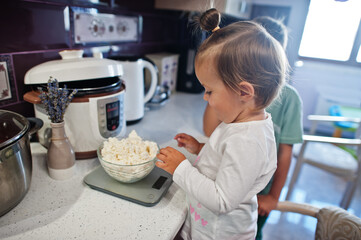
pixel 13 126
pixel 92 86
pixel 73 67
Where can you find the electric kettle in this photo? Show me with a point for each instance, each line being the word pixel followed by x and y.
pixel 135 95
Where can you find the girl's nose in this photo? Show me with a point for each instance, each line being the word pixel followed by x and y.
pixel 205 97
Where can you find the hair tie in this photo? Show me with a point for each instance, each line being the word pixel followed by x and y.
pixel 215 29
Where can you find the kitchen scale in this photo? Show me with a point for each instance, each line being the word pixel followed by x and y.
pixel 146 192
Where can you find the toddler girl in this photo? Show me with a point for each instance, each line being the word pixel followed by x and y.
pixel 242 69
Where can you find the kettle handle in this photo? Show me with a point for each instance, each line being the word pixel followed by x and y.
pixel 154 80
pixel 35 123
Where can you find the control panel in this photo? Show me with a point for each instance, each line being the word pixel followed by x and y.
pixel 111 116
pixel 102 27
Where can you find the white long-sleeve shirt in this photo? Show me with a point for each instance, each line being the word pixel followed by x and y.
pixel 233 166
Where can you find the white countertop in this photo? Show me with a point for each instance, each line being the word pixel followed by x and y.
pixel 71 210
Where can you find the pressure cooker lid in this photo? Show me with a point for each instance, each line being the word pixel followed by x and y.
pixel 85 87
pixel 73 67
pixel 13 126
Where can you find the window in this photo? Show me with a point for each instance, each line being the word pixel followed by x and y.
pixel 331 31
pixel 358 59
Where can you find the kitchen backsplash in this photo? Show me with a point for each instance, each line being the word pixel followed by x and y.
pixel 33 32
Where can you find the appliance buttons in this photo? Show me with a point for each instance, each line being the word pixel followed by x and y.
pixel 122 27
pixel 97 27
pixel 103 27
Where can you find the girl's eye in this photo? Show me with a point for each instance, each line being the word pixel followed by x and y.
pixel 208 92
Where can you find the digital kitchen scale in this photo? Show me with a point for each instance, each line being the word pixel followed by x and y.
pixel 147 191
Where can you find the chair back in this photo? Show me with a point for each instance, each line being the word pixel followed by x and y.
pixel 336 223
pixel 333 223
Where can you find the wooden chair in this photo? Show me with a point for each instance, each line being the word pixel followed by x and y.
pixel 332 222
pixel 326 153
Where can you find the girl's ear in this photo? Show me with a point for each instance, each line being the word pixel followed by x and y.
pixel 246 90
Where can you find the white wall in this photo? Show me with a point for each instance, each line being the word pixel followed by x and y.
pixel 323 84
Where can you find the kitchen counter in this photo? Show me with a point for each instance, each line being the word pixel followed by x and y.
pixel 71 210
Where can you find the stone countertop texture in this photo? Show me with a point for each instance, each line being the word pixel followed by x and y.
pixel 71 210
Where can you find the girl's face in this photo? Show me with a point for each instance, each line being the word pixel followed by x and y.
pixel 226 103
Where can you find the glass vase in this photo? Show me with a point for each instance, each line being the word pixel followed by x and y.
pixel 61 156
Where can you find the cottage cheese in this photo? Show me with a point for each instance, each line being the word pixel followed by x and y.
pixel 129 151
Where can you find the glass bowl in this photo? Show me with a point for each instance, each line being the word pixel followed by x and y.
pixel 126 173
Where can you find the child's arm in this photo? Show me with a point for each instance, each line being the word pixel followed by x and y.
pixel 235 179
pixel 266 203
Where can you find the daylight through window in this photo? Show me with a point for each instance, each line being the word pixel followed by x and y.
pixel 330 30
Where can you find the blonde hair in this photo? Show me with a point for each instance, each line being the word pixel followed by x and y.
pixel 245 51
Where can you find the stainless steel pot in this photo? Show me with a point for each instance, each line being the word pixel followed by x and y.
pixel 15 157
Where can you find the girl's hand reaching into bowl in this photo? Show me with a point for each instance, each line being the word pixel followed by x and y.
pixel 169 158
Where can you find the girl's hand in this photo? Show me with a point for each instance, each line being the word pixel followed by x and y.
pixel 170 159
pixel 266 203
pixel 188 142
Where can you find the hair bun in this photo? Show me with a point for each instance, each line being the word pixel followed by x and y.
pixel 210 19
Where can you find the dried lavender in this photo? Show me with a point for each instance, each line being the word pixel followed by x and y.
pixel 56 100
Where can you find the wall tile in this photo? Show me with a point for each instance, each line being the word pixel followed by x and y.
pixel 32 26
pixel 33 32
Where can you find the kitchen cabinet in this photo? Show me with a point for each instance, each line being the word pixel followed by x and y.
pixel 237 8
pixel 69 209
